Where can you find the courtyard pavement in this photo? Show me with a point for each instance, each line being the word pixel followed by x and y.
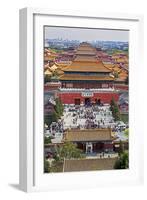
pixel 86 117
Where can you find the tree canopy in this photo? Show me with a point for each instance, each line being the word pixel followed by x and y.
pixel 123 161
pixel 46 166
pixel 47 140
pixel 56 114
pixel 69 151
pixel 115 110
pixel 66 151
pixel 59 107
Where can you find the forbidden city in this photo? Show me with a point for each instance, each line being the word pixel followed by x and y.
pixel 86 102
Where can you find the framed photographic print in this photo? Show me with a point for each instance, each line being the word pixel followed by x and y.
pixel 79 99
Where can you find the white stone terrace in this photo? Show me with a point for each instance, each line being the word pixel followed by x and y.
pixel 91 89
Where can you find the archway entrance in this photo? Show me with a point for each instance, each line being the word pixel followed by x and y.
pixel 89 147
pixel 98 102
pixel 98 147
pixel 87 101
pixel 77 101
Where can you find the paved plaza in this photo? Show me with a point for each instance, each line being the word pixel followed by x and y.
pixel 86 117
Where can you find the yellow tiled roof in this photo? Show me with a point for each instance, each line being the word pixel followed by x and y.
pixel 87 67
pixel 88 135
pixel 84 77
pixel 48 72
pixel 89 164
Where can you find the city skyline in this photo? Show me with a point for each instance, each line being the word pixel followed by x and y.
pixel 86 34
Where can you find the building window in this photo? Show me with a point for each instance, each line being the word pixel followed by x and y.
pixel 69 85
pixel 105 85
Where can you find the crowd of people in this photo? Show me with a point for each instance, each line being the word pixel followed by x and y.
pixel 84 117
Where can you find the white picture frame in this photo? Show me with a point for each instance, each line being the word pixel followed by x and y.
pixel 31 100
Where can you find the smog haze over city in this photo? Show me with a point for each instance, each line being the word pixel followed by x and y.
pixel 64 37
pixel 86 34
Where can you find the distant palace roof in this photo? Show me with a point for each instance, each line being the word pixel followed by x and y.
pixel 86 66
pixel 89 164
pixel 86 52
pixel 85 58
pixel 86 49
pixel 85 46
pixel 86 61
pixel 88 135
pixel 48 72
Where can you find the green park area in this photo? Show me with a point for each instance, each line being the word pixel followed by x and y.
pixel 56 114
pixel 125 118
pixel 66 151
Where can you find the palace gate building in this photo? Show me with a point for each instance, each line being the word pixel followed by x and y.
pixel 86 80
pixel 90 140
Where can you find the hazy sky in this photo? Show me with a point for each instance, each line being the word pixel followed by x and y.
pixel 86 34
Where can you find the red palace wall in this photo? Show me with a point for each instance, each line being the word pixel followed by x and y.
pixel 108 146
pixel 69 98
pixel 121 87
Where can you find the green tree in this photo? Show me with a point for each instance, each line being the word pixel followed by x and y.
pixel 47 140
pixel 56 114
pixel 69 151
pixel 116 113
pixel 127 132
pixel 59 107
pixel 56 166
pixel 53 117
pixel 123 161
pixel 121 147
pixel 112 104
pixel 115 110
pixel 46 166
